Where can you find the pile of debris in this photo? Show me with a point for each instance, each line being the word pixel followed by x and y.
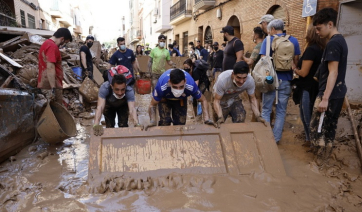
pixel 19 65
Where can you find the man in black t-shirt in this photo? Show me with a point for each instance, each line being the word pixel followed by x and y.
pixel 85 58
pixel 234 50
pixel 215 60
pixel 332 86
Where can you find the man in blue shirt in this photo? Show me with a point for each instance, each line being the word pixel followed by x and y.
pixel 124 57
pixel 170 94
pixel 276 27
pixel 204 53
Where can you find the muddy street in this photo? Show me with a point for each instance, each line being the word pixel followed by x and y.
pixel 45 177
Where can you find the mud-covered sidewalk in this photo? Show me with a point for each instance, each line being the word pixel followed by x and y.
pixel 54 178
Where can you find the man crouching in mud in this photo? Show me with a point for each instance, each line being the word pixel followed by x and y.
pixel 115 98
pixel 332 86
pixel 227 89
pixel 170 94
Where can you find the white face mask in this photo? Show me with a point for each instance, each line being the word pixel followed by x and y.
pixel 162 44
pixel 118 97
pixel 237 84
pixel 177 93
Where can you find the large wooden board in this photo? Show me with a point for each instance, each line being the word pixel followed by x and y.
pixel 235 149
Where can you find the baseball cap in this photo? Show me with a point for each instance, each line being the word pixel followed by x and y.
pixel 228 29
pixel 267 18
pixel 215 44
pixel 89 37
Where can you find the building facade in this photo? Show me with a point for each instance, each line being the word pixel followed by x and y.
pixel 203 19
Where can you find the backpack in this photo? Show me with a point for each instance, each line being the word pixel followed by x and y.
pixel 202 65
pixel 265 68
pixel 283 53
pixel 120 70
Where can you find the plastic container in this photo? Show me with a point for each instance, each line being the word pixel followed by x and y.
pixel 78 71
pixel 143 86
pixel 56 124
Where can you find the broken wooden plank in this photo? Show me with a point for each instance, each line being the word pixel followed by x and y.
pixel 11 61
pixel 7 82
pixel 9 41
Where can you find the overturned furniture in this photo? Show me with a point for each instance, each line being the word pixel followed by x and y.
pixel 235 149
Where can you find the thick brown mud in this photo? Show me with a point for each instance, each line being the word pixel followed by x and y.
pixel 54 178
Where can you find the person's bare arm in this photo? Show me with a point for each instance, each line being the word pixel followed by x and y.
pixel 295 61
pixel 135 66
pixel 51 74
pixel 150 61
pixel 84 60
pixel 133 112
pixel 331 81
pixel 171 63
pixel 152 113
pixel 217 106
pixel 239 55
pixel 197 82
pixel 304 71
pixel 205 107
pixel 254 105
pixel 100 108
pixel 249 61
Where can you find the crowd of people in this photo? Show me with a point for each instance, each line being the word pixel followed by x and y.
pixel 316 80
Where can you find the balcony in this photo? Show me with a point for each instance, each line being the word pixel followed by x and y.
pixel 78 30
pixel 59 8
pixel 203 4
pixel 135 36
pixel 180 12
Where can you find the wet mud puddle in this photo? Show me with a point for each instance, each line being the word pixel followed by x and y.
pixel 54 178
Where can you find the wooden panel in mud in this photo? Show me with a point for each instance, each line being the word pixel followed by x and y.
pixel 235 149
pixel 143 62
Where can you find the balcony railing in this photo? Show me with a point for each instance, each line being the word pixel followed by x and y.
pixel 180 8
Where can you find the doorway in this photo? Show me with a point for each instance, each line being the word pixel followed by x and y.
pixel 234 22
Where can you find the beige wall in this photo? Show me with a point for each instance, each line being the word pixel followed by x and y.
pixel 249 14
pixel 19 5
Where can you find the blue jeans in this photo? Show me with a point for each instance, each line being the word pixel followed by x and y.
pixel 306 108
pixel 284 91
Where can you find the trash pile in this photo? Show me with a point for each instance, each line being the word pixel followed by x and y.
pixel 19 66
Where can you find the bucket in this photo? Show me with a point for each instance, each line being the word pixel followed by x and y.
pixel 56 124
pixel 143 86
pixel 78 71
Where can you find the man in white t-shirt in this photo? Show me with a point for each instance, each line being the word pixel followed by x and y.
pixel 227 89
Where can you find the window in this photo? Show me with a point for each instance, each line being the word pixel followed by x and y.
pixel 31 21
pixel 23 23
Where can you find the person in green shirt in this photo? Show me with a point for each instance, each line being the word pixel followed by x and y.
pixel 158 58
pixel 258 38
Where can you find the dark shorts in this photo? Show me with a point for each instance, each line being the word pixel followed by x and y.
pixel 176 108
pixel 236 111
pixel 110 115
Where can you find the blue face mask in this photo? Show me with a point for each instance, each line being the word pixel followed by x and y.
pixel 122 47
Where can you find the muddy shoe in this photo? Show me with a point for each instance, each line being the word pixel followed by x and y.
pixel 320 153
pixel 103 123
pixel 328 151
pixel 307 144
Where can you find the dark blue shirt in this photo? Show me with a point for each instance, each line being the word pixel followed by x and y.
pixel 283 75
pixel 205 54
pixel 163 89
pixel 123 58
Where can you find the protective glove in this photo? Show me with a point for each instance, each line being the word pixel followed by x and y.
pixel 209 122
pixel 218 122
pixel 260 119
pixel 98 130
pixel 139 125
